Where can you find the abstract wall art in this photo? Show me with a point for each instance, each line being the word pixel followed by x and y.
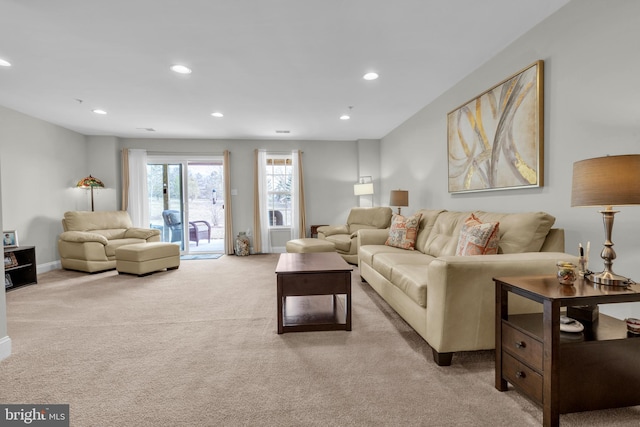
pixel 496 140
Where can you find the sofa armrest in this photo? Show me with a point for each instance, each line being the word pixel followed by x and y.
pixel 461 294
pixel 82 237
pixel 141 233
pixel 372 236
pixel 330 230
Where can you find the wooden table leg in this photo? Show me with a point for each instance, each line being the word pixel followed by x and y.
pixel 280 320
pixel 551 380
pixel 501 313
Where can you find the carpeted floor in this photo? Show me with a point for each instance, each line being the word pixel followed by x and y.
pixel 200 256
pixel 198 346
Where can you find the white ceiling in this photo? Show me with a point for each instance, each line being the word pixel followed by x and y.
pixel 268 65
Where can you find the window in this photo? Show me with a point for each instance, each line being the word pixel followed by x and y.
pixel 279 174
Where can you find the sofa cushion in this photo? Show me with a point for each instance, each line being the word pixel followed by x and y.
pixel 112 233
pixel 376 217
pixel 385 262
pixel 342 242
pixel 368 252
pixel 478 238
pixel 403 231
pixel 426 225
pixel 330 230
pixel 99 220
pixel 443 239
pixel 412 280
pixel 520 232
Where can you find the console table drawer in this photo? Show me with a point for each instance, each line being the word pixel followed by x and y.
pixel 522 346
pixel 523 377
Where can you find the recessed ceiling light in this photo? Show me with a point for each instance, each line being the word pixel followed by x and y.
pixel 98 111
pixel 217 114
pixel 4 63
pixel 345 117
pixel 370 76
pixel 181 69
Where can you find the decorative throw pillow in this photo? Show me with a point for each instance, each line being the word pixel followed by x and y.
pixel 403 231
pixel 478 238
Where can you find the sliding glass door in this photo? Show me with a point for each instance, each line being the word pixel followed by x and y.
pixel 186 202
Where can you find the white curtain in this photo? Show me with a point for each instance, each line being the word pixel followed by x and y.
pixel 262 201
pixel 295 195
pixel 138 202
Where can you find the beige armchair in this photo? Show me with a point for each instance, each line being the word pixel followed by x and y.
pixel 344 237
pixel 90 239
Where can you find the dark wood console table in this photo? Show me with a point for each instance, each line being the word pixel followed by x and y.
pixel 564 372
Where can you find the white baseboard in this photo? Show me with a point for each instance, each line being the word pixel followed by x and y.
pixel 49 266
pixel 5 347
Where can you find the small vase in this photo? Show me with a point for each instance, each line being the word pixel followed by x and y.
pixel 567 273
pixel 242 244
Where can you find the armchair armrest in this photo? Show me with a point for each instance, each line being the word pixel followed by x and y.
pixel 82 237
pixel 195 223
pixel 377 236
pixel 141 233
pixel 330 230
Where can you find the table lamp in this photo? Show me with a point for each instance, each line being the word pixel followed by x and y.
pixel 399 198
pixel 607 181
pixel 90 182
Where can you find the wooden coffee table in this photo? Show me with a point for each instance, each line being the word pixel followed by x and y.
pixel 309 289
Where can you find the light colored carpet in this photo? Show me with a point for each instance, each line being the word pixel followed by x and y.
pixel 200 256
pixel 198 346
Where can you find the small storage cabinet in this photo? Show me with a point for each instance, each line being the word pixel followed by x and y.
pixel 19 266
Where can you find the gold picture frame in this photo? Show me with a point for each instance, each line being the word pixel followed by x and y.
pixel 495 141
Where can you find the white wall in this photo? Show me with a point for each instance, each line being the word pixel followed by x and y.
pixel 329 169
pixel 41 164
pixel 591 109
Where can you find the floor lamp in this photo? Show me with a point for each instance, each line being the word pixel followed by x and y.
pixel 363 188
pixel 90 182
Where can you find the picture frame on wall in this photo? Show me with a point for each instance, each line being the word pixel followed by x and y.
pixel 10 238
pixel 495 141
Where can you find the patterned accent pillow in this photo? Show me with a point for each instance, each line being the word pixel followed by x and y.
pixel 478 238
pixel 403 231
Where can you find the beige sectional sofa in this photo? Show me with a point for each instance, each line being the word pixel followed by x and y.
pixel 450 300
pixel 90 239
pixel 344 236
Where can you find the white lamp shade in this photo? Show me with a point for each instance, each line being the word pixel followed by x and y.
pixel 363 189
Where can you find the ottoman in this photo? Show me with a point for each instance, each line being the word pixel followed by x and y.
pixel 145 258
pixel 306 245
